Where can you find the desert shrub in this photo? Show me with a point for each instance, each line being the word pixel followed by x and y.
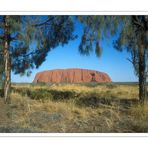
pixel 92 84
pixel 62 95
pixel 33 94
pixel 127 103
pixel 41 84
pixel 108 94
pixel 39 94
pixel 22 91
pixel 111 86
pixel 51 94
pixel 92 100
pixel 120 93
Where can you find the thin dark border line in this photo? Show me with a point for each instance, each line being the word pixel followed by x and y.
pixel 78 136
pixel 103 136
pixel 78 11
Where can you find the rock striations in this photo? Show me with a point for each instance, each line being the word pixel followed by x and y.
pixel 74 75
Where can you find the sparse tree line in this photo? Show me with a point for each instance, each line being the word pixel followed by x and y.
pixel 26 40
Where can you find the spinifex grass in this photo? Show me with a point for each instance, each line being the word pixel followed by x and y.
pixel 74 108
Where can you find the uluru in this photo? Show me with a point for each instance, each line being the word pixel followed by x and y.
pixel 73 75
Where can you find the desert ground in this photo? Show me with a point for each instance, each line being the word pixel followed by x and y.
pixel 74 108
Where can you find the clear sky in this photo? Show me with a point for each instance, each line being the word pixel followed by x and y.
pixel 113 62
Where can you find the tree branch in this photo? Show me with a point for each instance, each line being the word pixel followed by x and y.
pixel 130 61
pixel 26 55
pixel 43 23
pixel 31 53
pixel 136 22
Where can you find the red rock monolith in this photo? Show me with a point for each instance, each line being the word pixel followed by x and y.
pixel 74 75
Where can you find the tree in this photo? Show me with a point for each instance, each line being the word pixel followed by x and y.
pixel 26 41
pixel 131 35
pixel 1 72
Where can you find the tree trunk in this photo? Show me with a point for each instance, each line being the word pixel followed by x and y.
pixel 142 73
pixel 7 65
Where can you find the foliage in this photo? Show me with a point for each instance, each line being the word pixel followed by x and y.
pixel 32 37
pixel 125 31
pixel 97 28
pixel 130 38
pixel 43 94
pixel 92 100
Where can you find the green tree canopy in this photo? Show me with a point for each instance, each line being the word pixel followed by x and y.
pixel 32 37
pixel 131 34
pixel 26 41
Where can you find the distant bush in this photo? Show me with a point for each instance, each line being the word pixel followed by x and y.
pixel 92 100
pixel 111 85
pixel 87 99
pixel 21 91
pixel 92 84
pixel 41 84
pixel 62 95
pixel 41 94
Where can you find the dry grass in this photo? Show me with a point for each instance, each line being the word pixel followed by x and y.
pixel 49 116
pixel 119 91
pixel 27 115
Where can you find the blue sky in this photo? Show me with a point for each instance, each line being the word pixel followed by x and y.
pixel 113 62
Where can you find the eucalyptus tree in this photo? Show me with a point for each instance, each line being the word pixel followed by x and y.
pixel 1 72
pixel 1 68
pixel 129 32
pixel 26 41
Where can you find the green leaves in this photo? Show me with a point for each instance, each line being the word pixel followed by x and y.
pixel 32 37
pixel 97 28
pixel 98 50
pixel 127 29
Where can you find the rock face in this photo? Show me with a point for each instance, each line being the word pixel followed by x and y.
pixel 71 76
